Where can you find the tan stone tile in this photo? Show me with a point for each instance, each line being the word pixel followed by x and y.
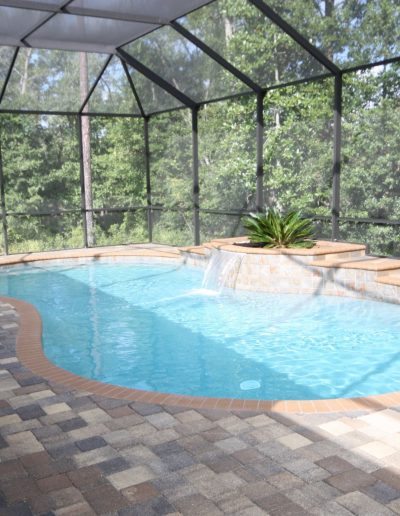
pixel 260 420
pixel 392 440
pixel 376 449
pixel 42 394
pixel 9 420
pixel 23 443
pixel 96 415
pixel 56 408
pixel 388 419
pixel 354 423
pixel 131 477
pixel 88 431
pixel 189 416
pixel 393 460
pixel 375 432
pixel 395 506
pixel 294 441
pixel 336 428
pixel 233 425
pixel 81 509
pixel 11 360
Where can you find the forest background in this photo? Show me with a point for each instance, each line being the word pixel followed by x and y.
pixel 41 153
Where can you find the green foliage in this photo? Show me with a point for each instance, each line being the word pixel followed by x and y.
pixel 40 154
pixel 273 229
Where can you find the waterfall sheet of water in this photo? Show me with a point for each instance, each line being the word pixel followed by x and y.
pixel 222 271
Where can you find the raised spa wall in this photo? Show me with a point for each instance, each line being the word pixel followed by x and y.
pixel 330 268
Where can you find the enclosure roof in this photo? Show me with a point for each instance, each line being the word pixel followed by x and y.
pixel 86 25
pixel 173 53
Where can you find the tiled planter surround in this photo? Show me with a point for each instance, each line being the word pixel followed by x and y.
pixel 295 271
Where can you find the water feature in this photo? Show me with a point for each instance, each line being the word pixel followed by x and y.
pixel 222 270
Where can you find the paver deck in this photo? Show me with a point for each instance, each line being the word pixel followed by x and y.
pixel 66 452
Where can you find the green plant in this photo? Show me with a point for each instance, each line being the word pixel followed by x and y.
pixel 274 229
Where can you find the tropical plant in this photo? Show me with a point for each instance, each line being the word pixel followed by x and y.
pixel 273 229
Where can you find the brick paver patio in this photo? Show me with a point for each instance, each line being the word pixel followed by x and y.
pixel 67 452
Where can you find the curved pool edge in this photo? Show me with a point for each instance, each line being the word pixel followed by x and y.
pixel 29 351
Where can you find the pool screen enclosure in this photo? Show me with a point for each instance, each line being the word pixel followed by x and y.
pixel 168 121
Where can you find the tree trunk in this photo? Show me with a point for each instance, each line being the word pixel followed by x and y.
pixel 328 13
pixel 87 164
pixel 24 78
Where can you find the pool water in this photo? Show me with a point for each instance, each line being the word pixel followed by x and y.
pixel 154 327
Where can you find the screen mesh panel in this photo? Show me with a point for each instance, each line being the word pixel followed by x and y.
pixel 322 229
pixel 113 93
pixel 40 163
pixel 117 161
pixel 117 228
pixel 298 147
pixel 371 142
pixel 6 55
pixel 51 80
pixel 44 233
pixel 184 65
pixel 348 32
pixel 213 225
pixel 247 39
pixel 381 239
pixel 171 159
pixel 152 97
pixel 227 156
pixel 173 227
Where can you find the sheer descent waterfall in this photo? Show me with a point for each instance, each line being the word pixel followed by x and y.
pixel 222 270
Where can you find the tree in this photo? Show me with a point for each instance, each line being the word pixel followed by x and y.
pixel 87 166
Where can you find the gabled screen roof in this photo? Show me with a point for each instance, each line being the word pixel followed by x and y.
pixel 174 53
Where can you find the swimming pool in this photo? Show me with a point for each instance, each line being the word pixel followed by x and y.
pixel 154 327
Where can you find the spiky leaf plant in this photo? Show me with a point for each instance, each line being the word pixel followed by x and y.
pixel 274 229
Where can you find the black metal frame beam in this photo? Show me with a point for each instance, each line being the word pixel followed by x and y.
pixel 337 149
pixel 216 57
pixel 232 213
pixel 295 35
pixel 133 89
pixel 96 82
pixel 367 66
pixel 67 113
pixel 82 182
pixel 246 93
pixel 260 153
pixel 148 178
pixel 195 168
pixel 3 202
pixel 7 79
pixel 157 79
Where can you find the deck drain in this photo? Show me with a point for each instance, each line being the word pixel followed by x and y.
pixel 248 385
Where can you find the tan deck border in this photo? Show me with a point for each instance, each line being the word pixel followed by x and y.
pixel 29 351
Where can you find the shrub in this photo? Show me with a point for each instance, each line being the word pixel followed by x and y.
pixel 274 230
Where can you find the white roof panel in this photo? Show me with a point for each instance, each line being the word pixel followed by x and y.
pixel 16 23
pixel 69 32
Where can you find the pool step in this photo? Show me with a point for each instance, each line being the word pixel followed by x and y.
pixel 368 263
pixel 341 256
pixel 389 279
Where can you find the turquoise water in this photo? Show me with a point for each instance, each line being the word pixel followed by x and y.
pixel 154 327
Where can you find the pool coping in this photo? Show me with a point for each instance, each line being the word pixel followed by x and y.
pixel 30 352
